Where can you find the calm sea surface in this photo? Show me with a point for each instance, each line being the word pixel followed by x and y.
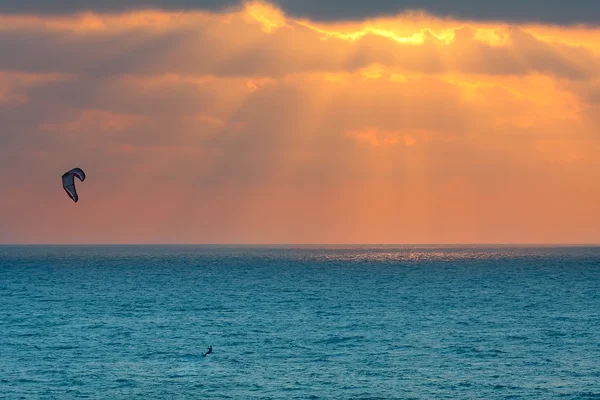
pixel 127 322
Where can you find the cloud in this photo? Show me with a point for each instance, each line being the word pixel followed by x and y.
pixel 545 11
pixel 253 126
pixel 260 41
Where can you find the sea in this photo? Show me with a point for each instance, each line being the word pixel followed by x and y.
pixel 299 322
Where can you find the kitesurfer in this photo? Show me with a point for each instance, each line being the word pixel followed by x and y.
pixel 208 352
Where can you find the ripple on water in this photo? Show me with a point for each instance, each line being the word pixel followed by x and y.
pixel 306 322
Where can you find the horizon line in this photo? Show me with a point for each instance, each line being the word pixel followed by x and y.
pixel 493 244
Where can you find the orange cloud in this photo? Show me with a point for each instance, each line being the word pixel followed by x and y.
pixel 251 126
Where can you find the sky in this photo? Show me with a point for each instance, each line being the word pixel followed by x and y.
pixel 300 122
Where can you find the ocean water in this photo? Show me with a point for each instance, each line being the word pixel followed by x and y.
pixel 127 322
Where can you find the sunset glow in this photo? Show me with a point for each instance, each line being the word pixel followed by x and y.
pixel 250 126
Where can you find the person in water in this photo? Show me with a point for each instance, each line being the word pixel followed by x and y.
pixel 208 352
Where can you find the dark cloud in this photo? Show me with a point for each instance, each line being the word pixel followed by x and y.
pixel 549 11
pixel 66 6
pixel 552 11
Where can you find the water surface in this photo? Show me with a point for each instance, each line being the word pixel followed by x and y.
pixel 372 322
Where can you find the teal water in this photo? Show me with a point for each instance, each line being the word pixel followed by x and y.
pixel 126 322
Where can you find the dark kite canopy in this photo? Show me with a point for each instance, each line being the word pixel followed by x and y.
pixel 68 181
